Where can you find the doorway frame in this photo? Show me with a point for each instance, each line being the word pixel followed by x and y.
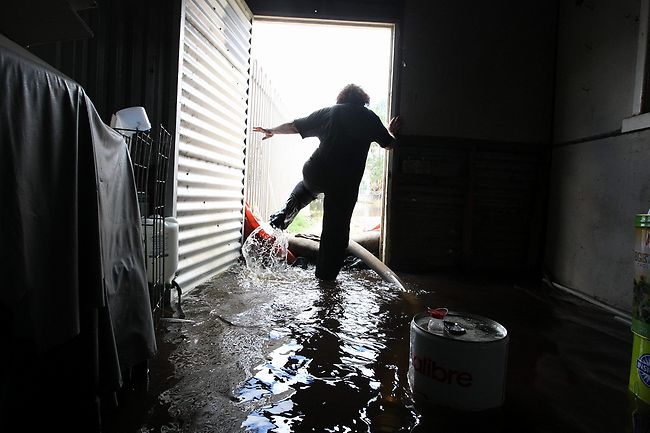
pixel 391 106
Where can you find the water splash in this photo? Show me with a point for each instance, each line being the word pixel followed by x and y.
pixel 265 251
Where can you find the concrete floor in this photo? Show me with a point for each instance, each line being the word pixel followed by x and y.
pixel 286 354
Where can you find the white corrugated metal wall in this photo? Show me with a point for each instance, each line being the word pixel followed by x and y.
pixel 211 136
pixel 268 179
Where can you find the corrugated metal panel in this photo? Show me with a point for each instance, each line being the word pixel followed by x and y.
pixel 264 163
pixel 131 60
pixel 213 98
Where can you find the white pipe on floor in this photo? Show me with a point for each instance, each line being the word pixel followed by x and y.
pixel 374 263
pixel 618 314
pixel 307 245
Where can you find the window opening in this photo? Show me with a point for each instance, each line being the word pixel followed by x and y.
pixel 640 118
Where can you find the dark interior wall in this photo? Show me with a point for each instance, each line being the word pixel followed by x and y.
pixel 467 204
pixel 131 60
pixel 597 187
pixel 597 43
pixel 477 69
pixel 476 99
pixel 600 175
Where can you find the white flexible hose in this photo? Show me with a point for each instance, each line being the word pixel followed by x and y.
pixel 374 263
pixel 307 245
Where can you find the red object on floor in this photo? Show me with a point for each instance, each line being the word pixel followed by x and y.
pixel 251 223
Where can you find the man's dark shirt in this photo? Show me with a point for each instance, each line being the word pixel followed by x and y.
pixel 345 132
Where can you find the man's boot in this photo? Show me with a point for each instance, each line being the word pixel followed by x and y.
pixel 298 199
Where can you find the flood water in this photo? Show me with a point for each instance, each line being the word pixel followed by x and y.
pixel 333 350
pixel 283 353
pixel 336 349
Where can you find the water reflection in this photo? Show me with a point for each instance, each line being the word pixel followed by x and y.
pixel 339 357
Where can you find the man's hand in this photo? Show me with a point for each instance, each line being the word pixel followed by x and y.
pixel 285 128
pixel 268 133
pixel 394 126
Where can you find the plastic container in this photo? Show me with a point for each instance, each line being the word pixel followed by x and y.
pixel 462 367
pixel 161 249
pixel 641 299
pixel 639 383
pixel 130 120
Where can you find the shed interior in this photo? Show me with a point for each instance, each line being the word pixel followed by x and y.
pixel 522 156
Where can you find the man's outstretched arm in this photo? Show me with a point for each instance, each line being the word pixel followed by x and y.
pixel 285 128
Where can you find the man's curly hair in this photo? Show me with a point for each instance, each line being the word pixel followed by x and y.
pixel 353 94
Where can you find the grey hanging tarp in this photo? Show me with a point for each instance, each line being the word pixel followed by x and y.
pixel 71 257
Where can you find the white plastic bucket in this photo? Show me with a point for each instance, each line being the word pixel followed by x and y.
pixel 461 372
pixel 161 248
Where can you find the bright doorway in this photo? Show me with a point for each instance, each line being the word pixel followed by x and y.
pixel 299 66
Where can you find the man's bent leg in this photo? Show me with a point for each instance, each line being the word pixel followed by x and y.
pixel 300 197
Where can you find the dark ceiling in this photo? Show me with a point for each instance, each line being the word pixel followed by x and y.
pixel 33 22
pixel 357 10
